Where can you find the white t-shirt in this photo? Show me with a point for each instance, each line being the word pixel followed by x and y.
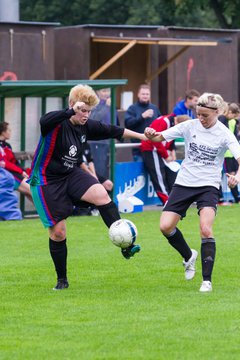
pixel 204 152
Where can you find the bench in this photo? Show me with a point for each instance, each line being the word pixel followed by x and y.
pixel 24 155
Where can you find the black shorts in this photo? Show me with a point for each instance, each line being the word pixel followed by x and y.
pixel 54 202
pixel 230 165
pixel 181 197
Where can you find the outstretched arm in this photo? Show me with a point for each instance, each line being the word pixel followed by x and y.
pixel 133 135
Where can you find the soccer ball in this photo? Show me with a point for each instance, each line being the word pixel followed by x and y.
pixel 123 233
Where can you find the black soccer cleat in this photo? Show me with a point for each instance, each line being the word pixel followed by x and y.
pixel 130 251
pixel 61 284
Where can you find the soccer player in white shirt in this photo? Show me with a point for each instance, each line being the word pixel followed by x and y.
pixel 198 180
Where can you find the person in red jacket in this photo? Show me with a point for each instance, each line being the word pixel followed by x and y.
pixel 157 155
pixel 9 162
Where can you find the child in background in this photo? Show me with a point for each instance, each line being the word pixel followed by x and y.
pixel 10 163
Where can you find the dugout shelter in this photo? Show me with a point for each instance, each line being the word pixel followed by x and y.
pixel 171 59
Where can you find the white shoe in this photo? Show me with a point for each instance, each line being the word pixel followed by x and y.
pixel 190 265
pixel 95 212
pixel 206 286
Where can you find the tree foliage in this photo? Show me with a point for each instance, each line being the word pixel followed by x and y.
pixel 190 13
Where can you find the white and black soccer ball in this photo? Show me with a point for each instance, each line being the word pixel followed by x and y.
pixel 123 233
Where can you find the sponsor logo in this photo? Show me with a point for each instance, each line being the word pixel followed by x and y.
pixel 72 150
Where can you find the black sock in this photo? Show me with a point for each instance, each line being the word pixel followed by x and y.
pixel 235 193
pixel 177 241
pixel 58 251
pixel 208 252
pixel 109 213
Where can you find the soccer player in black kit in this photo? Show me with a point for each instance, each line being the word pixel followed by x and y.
pixel 58 183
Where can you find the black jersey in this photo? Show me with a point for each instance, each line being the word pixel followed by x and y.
pixel 60 146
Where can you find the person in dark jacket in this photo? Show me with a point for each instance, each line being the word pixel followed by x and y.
pixel 58 183
pixel 140 115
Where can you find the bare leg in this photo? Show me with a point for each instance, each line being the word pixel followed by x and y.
pixel 24 189
pixel 96 195
pixel 168 223
pixel 108 185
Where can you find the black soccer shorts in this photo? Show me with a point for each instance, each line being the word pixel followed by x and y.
pixel 181 197
pixel 54 202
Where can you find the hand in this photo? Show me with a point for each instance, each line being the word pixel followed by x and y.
pixel 25 175
pixel 2 164
pixel 147 114
pixel 169 158
pixel 233 180
pixel 149 132
pixel 77 107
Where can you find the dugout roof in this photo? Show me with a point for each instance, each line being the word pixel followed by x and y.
pixel 130 42
pixel 52 88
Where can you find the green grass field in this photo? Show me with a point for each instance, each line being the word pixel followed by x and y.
pixel 118 309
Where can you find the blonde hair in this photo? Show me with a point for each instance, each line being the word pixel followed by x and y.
pixel 83 93
pixel 211 101
pixel 224 109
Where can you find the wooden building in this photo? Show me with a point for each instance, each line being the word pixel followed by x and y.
pixel 27 51
pixel 171 59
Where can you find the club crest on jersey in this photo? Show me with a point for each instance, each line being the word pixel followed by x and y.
pixel 83 138
pixel 72 150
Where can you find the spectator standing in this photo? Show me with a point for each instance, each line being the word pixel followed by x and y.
pixel 187 106
pixel 140 115
pixel 156 156
pixel 101 149
pixel 198 180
